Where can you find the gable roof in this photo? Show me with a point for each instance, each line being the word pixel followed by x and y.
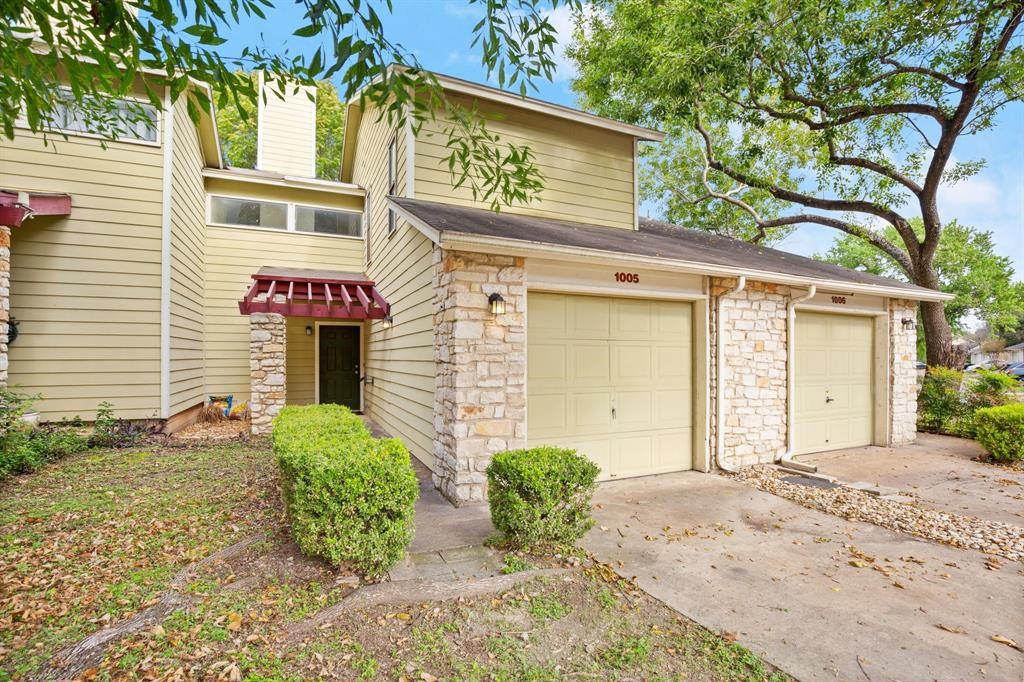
pixel 655 243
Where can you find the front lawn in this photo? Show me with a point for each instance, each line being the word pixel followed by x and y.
pixel 93 539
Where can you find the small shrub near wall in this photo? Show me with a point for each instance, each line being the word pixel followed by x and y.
pixel 349 496
pixel 1000 430
pixel 541 496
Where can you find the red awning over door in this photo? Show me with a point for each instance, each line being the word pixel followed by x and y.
pixel 294 292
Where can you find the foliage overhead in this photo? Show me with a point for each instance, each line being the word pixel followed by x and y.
pixel 830 112
pixel 236 128
pixel 105 49
pixel 967 264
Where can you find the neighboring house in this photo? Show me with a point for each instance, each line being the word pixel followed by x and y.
pixel 1005 356
pixel 571 321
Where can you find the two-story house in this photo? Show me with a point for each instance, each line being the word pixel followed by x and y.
pixel 570 321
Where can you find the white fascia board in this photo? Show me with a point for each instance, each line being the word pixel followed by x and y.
pixel 512 247
pixel 429 232
pixel 291 181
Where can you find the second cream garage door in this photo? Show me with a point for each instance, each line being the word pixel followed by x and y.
pixel 833 406
pixel 611 378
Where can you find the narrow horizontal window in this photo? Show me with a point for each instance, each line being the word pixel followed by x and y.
pixel 119 118
pixel 248 212
pixel 326 221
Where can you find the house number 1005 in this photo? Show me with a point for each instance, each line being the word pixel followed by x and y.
pixel 630 277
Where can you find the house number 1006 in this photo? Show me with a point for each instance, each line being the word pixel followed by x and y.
pixel 630 277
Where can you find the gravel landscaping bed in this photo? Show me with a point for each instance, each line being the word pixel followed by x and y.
pixel 966 532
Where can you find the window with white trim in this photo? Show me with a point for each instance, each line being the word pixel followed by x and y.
pixel 392 180
pixel 127 120
pixel 274 215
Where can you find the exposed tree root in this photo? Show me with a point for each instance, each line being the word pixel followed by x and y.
pixel 408 591
pixel 87 653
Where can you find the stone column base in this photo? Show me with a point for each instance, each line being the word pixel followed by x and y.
pixel 267 341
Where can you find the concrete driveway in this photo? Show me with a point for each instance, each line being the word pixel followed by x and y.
pixel 818 596
pixel 940 471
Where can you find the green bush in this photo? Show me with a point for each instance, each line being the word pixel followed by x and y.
pixel 949 398
pixel 24 448
pixel 541 496
pixel 1000 430
pixel 349 496
pixel 939 404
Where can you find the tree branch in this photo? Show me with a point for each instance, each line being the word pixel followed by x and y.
pixel 899 68
pixel 763 225
pixel 868 164
pixel 856 206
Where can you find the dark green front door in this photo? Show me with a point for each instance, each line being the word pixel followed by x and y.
pixel 339 365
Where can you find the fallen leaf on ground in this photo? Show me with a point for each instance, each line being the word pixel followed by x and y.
pixel 949 628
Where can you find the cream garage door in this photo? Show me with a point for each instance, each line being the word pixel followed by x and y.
pixel 833 407
pixel 611 378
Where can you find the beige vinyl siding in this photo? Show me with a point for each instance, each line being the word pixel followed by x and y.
pixel 287 133
pixel 233 255
pixel 299 363
pixel 401 359
pixel 86 288
pixel 588 171
pixel 188 244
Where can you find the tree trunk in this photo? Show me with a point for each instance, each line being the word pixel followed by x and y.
pixel 938 336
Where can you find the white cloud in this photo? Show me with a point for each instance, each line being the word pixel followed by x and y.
pixel 563 20
pixel 977 192
pixel 463 10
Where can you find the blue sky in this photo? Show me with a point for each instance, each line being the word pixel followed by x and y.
pixel 438 32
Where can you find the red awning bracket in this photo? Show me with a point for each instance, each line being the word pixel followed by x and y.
pixel 331 297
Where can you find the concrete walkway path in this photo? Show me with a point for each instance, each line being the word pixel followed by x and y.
pixel 816 595
pixel 939 470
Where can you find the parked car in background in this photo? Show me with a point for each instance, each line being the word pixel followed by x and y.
pixel 1015 369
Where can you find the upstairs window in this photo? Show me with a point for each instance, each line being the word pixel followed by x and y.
pixel 328 221
pixel 248 213
pixel 126 120
pixel 244 212
pixel 392 180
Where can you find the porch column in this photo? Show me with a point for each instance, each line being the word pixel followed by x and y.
pixel 480 399
pixel 902 373
pixel 5 298
pixel 267 341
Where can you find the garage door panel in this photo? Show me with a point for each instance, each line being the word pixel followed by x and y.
pixel 548 365
pixel 548 316
pixel 634 409
pixel 673 364
pixel 632 362
pixel 590 317
pixel 588 364
pixel 592 412
pixel 633 355
pixel 631 319
pixel 833 384
pixel 672 409
pixel 548 414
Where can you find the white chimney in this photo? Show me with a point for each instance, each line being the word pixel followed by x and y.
pixel 286 129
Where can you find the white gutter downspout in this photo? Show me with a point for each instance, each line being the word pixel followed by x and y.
pixel 787 457
pixel 741 284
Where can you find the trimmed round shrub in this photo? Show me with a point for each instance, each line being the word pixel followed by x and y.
pixel 1000 430
pixel 350 497
pixel 541 496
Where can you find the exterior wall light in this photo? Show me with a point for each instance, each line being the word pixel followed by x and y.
pixel 309 331
pixel 909 323
pixel 387 322
pixel 497 304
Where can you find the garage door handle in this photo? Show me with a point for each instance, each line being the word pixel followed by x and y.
pixel 613 413
pixel 829 399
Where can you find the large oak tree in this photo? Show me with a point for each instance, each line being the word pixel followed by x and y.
pixel 843 113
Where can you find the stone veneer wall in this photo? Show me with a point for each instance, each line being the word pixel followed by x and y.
pixel 267 345
pixel 754 347
pixel 902 373
pixel 5 298
pixel 480 358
